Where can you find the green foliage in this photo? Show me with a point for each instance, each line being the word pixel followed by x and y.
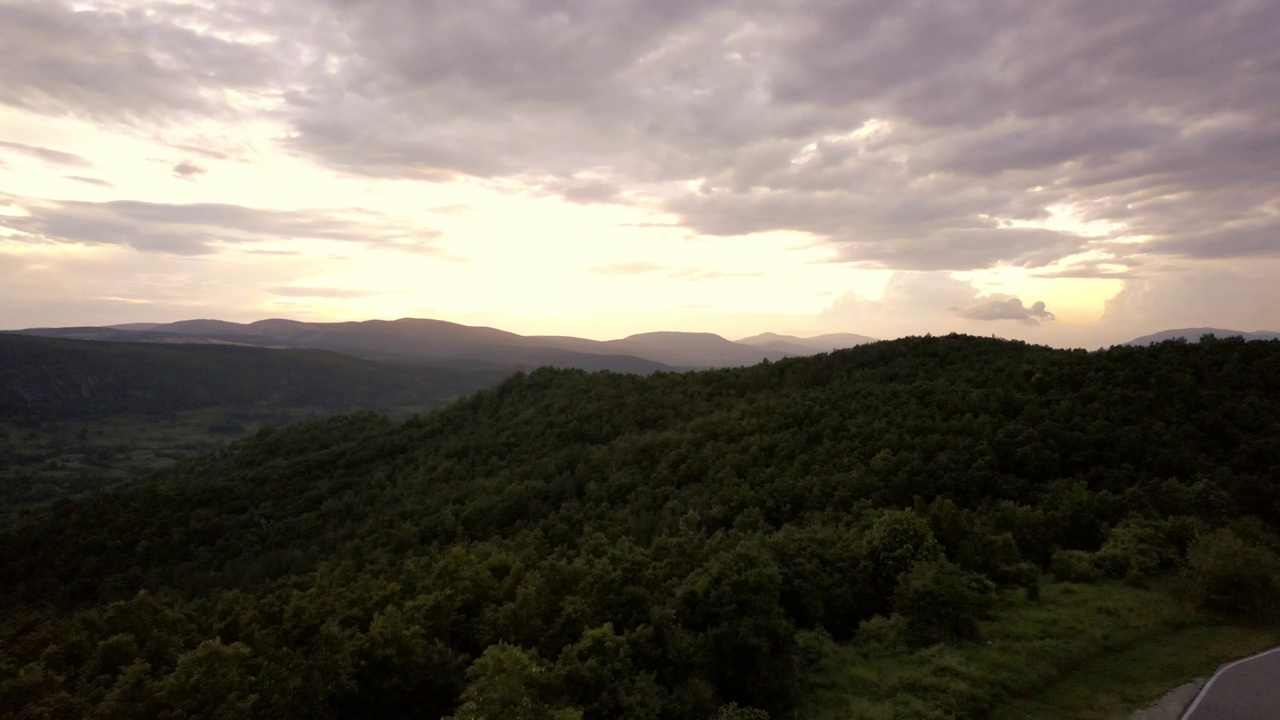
pixel 896 542
pixel 1027 648
pixel 1073 566
pixel 1133 552
pixel 213 681
pixel 733 712
pixel 599 672
pixel 1234 576
pixel 939 602
pixel 609 545
pixel 75 415
pixel 504 684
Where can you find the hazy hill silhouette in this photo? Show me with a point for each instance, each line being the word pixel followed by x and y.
pixel 1194 335
pixel 441 342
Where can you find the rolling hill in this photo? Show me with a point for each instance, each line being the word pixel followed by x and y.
pixel 1194 335
pixel 798 346
pixel 55 379
pixel 938 524
pixel 440 342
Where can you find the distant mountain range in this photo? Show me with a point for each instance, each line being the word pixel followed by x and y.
pixel 450 344
pixel 1194 335
pixel 792 345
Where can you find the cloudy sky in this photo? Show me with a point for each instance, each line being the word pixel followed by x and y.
pixel 1073 172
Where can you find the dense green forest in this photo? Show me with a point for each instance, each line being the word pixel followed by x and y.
pixel 697 545
pixel 77 414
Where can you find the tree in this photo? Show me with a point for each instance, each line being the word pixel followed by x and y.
pixel 939 602
pixel 896 542
pixel 505 683
pixel 213 681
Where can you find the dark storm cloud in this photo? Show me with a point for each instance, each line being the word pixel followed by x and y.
pixel 1006 309
pixel 55 157
pixel 1161 116
pixel 197 229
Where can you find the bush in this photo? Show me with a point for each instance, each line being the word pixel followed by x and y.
pixel 939 602
pixel 1133 553
pixel 881 633
pixel 733 712
pixel 1073 566
pixel 1233 576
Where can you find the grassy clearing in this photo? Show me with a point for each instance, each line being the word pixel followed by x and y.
pixel 1083 651
pixel 1115 685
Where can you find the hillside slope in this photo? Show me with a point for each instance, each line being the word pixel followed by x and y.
pixel 599 546
pixel 52 379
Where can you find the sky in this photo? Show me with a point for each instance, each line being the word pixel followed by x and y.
pixel 1068 172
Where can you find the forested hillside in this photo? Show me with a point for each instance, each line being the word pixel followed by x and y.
pixel 76 415
pixel 44 379
pixel 570 545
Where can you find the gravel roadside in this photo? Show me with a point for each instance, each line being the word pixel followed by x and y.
pixel 1170 706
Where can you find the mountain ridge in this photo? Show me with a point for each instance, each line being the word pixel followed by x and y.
pixel 430 340
pixel 1194 335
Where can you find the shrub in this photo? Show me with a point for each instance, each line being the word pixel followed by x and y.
pixel 733 711
pixel 1073 566
pixel 1233 576
pixel 881 633
pixel 1133 553
pixel 939 602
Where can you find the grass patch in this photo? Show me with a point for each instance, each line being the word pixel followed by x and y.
pixel 1116 684
pixel 1069 650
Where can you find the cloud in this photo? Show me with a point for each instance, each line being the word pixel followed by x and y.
pixel 1207 295
pixel 206 152
pixel 630 268
pixel 198 229
pixel 1108 269
pixel 910 302
pixel 901 135
pixel 673 273
pixel 1005 309
pixel 319 292
pixel 54 157
pixel 584 191
pixel 126 65
pixel 188 170
pixel 90 181
pixel 696 275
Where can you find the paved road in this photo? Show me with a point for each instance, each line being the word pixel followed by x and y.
pixel 1247 689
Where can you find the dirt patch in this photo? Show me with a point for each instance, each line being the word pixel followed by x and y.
pixel 1170 706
